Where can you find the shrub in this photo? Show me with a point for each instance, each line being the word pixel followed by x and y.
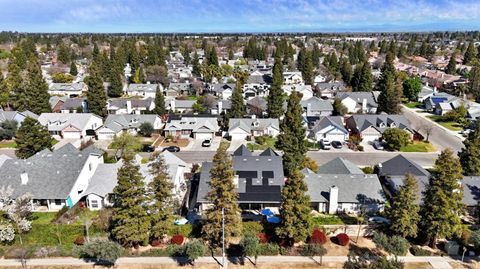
pixel 268 249
pixel 261 140
pixel 311 250
pixel 252 227
pixel 60 213
pixel 475 238
pixel 193 250
pixel 7 232
pixel 155 243
pixel 250 246
pixel 105 251
pixel 342 239
pixel 395 138
pixel 318 237
pixel 263 238
pixel 146 129
pixel 185 230
pixel 177 239
pixel 395 245
pixel 79 241
pixel 418 251
pixel 103 219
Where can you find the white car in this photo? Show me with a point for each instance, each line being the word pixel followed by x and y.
pixel 325 143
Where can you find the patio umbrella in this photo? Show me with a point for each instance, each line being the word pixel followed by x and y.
pixel 181 221
pixel 273 219
pixel 266 212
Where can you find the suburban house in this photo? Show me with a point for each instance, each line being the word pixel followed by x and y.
pixel 371 127
pixel 71 105
pixel 359 102
pixel 305 90
pixel 67 89
pixel 16 116
pixel 319 79
pixel 71 125
pixel 290 78
pixel 240 129
pixel 329 128
pixel 98 195
pixel 176 89
pixel 259 180
pixel 425 93
pixel 192 127
pixel 54 179
pixel 223 91
pixel 441 102
pixel 257 106
pixel 130 106
pixel 316 107
pixel 179 106
pixel 257 85
pixel 143 90
pixel 329 89
pixel 115 124
pixel 222 107
pixel 339 187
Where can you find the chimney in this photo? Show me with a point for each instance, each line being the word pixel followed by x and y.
pixel 235 181
pixel 333 200
pixel 24 178
pixel 220 107
pixel 254 116
pixel 364 105
pixel 309 107
pixel 129 106
pixel 172 105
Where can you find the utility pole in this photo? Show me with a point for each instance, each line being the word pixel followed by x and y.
pixel 224 264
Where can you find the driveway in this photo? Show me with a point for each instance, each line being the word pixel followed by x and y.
pixel 235 143
pixel 196 145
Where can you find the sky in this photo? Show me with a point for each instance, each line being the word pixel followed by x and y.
pixel 202 16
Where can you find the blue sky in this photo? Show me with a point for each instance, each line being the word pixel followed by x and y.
pixel 237 15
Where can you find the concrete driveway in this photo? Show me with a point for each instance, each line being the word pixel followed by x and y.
pixel 196 145
pixel 234 144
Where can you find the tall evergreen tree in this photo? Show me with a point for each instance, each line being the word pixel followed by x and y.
pixel 196 65
pixel 4 93
pixel 116 85
pixel 291 139
pixel 96 95
pixel 159 102
pixel 346 71
pixel 442 204
pixel 238 108
pixel 130 219
pixel 295 209
pixel 31 137
pixel 73 69
pixel 162 200
pixel 470 154
pixel 36 89
pixel 390 89
pixel 307 71
pixel 451 66
pixel 474 84
pixel 403 211
pixel 275 96
pixel 470 54
pixel 223 195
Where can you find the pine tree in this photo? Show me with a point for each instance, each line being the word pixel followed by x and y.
pixel 162 200
pixel 291 138
pixel 403 211
pixel 474 84
pixel 346 71
pixel 470 154
pixel 212 57
pixel 307 72
pixel 36 89
pixel 230 54
pixel 116 85
pixel 31 137
pixel 294 210
pixel 4 93
pixel 275 98
pixel 96 95
pixel 442 204
pixel 73 69
pixel 223 195
pixel 470 54
pixel 390 89
pixel 452 65
pixel 365 83
pixel 196 65
pixel 130 219
pixel 159 102
pixel 238 108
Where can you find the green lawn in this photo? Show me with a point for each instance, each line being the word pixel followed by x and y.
pixel 192 97
pixel 269 143
pixel 312 145
pixel 8 144
pixel 454 126
pixel 414 105
pixel 333 220
pixel 418 146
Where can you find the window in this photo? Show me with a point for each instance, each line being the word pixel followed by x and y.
pixel 90 166
pixel 94 203
pixel 58 202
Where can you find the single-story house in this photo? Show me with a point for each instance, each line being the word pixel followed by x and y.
pixel 425 92
pixel 329 89
pixel 71 105
pixel 130 106
pixel 294 77
pixel 257 106
pixel 180 106
pixel 192 127
pixel 305 90
pixel 222 107
pixel 440 102
pixel 67 89
pixel 176 89
pixel 17 116
pixel 115 124
pixel 259 180
pixel 359 102
pixel 371 127
pixel 240 129
pixel 257 85
pixel 316 107
pixel 70 125
pixel 144 90
pixel 223 91
pixel 330 128
pixel 54 179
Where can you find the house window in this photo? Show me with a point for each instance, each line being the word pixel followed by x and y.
pixel 90 166
pixel 58 202
pixel 94 203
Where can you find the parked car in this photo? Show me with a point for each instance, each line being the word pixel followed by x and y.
pixel 207 143
pixel 377 145
pixel 148 148
pixel 379 220
pixel 337 144
pixel 466 132
pixel 325 143
pixel 172 149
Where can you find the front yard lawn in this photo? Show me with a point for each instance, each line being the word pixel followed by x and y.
pixel 8 144
pixel 265 143
pixel 312 145
pixel 418 146
pixel 321 220
pixel 454 126
pixel 414 105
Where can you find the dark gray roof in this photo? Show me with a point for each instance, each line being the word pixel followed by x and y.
pixel 260 178
pixel 135 103
pixel 73 103
pixel 331 86
pixel 51 175
pixel 400 165
pixel 351 188
pixel 259 79
pixel 380 122
pixel 219 88
pixel 257 102
pixel 242 151
pixel 317 104
pixel 340 166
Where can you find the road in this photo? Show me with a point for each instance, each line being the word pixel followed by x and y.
pixel 321 157
pixel 440 137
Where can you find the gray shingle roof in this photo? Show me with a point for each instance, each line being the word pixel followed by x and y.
pixel 196 124
pixel 59 121
pixel 73 103
pixel 371 97
pixel 259 79
pixel 351 188
pixel 143 87
pixel 51 175
pixel 340 166
pixel 326 121
pixel 135 103
pixel 317 104
pixel 67 86
pixel 118 122
pixel 400 165
pixel 249 125
pixel 219 88
pixel 380 122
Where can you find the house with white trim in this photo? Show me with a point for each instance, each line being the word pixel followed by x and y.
pixel 240 129
pixel 192 127
pixel 70 125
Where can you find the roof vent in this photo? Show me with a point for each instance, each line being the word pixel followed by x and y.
pixel 24 178
pixel 269 160
pixel 256 160
pixel 244 160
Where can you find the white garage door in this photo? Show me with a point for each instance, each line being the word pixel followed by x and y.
pixel 203 135
pixel 105 136
pixel 370 137
pixel 239 136
pixel 72 135
pixel 336 137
